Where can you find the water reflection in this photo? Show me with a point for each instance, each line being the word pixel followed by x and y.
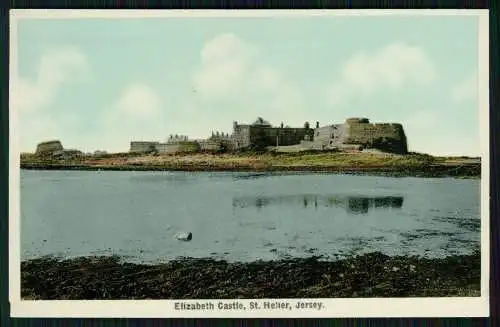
pixel 250 176
pixel 162 178
pixel 352 204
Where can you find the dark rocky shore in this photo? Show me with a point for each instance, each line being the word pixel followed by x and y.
pixel 369 275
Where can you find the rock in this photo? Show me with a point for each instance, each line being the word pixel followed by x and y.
pixel 49 147
pixel 184 236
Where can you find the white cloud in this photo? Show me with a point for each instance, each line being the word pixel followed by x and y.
pixel 226 63
pixel 427 131
pixel 138 101
pixel 55 68
pixel 391 68
pixel 234 71
pixel 33 131
pixel 135 115
pixel 466 90
pixel 29 96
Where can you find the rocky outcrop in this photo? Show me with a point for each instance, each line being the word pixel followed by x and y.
pixel 67 154
pixel 369 275
pixel 49 147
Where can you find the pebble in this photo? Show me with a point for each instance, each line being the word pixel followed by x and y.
pixel 184 236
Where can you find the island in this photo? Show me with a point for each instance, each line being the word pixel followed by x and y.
pixel 354 147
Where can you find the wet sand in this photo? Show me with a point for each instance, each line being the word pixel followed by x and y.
pixel 368 275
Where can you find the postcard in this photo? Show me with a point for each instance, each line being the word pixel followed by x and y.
pixel 296 163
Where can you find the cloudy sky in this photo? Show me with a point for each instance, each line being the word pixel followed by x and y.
pixel 100 83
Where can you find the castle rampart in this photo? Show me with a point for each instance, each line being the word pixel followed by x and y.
pixel 143 146
pixel 262 133
pixel 177 147
pixel 388 137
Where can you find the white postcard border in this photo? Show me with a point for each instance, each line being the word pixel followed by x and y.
pixel 368 307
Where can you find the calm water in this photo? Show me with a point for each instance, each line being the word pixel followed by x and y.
pixel 243 216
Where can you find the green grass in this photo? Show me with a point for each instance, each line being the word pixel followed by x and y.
pixel 262 161
pixel 348 160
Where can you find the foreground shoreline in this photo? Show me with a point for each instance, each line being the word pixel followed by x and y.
pixel 368 275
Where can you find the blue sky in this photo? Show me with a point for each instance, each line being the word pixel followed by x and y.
pixel 97 84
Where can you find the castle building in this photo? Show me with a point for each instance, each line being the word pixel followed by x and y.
pixel 353 134
pixel 262 133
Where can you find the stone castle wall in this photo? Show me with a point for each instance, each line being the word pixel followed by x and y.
pixel 282 136
pixel 246 135
pixel 209 145
pixel 241 136
pixel 178 147
pixel 329 137
pixel 171 146
pixel 142 146
pixel 385 137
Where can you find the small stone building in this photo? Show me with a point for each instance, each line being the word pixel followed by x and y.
pixel 49 147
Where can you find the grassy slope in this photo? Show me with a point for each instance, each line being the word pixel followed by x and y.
pixel 264 161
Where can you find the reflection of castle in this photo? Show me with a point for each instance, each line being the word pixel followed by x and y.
pixel 354 133
pixel 364 204
pixel 352 204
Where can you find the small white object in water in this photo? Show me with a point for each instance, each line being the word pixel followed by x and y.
pixel 184 236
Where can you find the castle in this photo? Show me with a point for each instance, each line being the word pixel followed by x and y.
pixel 353 134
